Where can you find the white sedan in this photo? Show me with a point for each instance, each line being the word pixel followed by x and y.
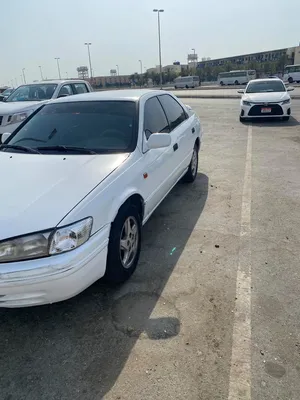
pixel 83 174
pixel 265 98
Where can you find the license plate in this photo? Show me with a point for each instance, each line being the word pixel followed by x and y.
pixel 266 110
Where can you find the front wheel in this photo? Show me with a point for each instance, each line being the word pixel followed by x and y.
pixel 191 173
pixel 236 83
pixel 186 86
pixel 290 80
pixel 124 245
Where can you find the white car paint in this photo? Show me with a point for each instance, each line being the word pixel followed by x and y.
pixel 48 191
pixel 7 109
pixel 265 100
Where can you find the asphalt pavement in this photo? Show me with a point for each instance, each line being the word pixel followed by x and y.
pixel 212 312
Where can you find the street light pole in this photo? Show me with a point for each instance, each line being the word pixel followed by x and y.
pixel 88 44
pixel 159 44
pixel 141 65
pixel 23 69
pixel 58 68
pixel 118 75
pixel 41 72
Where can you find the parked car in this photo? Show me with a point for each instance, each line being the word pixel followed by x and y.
pixel 265 98
pixel 6 93
pixel 27 98
pixel 85 173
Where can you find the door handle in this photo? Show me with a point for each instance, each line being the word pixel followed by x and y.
pixel 175 147
pixel 193 130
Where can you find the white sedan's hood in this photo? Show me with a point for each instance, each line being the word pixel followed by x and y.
pixel 37 191
pixel 266 97
pixel 18 106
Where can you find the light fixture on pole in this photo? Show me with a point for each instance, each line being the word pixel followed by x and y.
pixel 88 44
pixel 58 67
pixel 41 72
pixel 159 45
pixel 23 69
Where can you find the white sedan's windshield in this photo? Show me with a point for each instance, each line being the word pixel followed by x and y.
pixel 98 126
pixel 265 86
pixel 33 93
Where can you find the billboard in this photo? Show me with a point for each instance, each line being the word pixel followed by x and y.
pixel 192 57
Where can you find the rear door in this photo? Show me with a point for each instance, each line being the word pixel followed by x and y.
pixel 183 132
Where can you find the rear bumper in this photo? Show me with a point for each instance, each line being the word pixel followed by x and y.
pixel 56 278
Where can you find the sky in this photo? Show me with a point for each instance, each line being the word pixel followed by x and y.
pixel 34 32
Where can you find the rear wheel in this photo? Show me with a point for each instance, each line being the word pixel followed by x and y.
pixel 124 244
pixel 191 173
pixel 175 87
pixel 221 83
pixel 186 86
pixel 285 118
pixel 236 82
pixel 290 80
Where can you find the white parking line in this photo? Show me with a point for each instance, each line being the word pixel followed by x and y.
pixel 240 369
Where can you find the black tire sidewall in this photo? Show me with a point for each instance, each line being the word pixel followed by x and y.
pixel 115 272
pixel 189 177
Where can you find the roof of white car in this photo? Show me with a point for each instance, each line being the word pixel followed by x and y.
pixel 266 80
pixel 128 95
pixel 55 81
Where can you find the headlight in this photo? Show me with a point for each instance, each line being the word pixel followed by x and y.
pixel 19 117
pixel 46 243
pixel 286 101
pixel 246 103
pixel 24 247
pixel 71 236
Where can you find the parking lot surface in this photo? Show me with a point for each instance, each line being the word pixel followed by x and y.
pixel 212 312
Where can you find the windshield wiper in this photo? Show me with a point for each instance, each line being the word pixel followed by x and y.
pixel 21 148
pixel 67 149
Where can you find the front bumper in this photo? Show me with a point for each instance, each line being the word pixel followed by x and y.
pixel 56 278
pixel 254 111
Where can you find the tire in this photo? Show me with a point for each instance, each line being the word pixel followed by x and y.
pixel 175 87
pixel 191 173
pixel 290 80
pixel 116 269
pixel 186 86
pixel 221 83
pixel 285 118
pixel 236 83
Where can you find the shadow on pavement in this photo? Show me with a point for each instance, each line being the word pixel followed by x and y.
pixel 77 349
pixel 271 122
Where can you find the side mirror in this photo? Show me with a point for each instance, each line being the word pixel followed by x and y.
pixel 159 140
pixel 63 95
pixel 242 91
pixel 5 136
pixel 289 89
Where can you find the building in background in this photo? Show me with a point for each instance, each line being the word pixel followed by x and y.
pixel 285 56
pixel 83 72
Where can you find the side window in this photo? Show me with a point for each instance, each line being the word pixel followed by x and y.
pixel 66 90
pixel 175 113
pixel 155 120
pixel 80 88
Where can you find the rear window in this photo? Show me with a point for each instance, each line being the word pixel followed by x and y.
pixel 102 126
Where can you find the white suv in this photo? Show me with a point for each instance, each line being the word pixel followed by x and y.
pixel 27 98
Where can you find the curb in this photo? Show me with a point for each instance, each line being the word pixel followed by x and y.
pixel 233 96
